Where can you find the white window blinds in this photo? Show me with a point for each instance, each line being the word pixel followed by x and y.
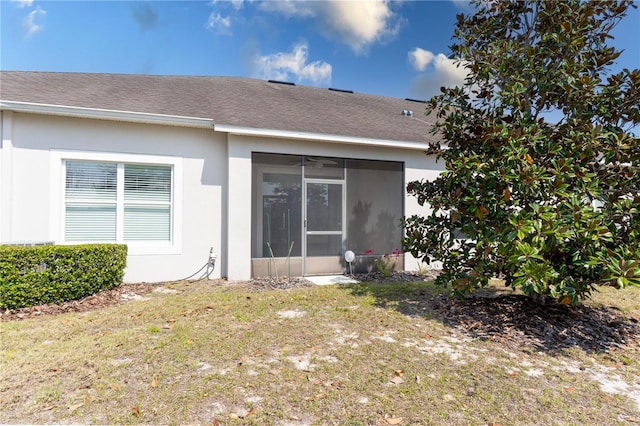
pixel 147 208
pixel 90 201
pixel 116 202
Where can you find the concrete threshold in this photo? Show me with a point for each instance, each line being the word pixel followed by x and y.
pixel 331 279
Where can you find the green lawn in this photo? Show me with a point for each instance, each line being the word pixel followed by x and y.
pixel 369 354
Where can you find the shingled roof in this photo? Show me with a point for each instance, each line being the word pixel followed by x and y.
pixel 228 101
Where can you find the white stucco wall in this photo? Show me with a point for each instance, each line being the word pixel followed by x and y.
pixel 215 184
pixel 417 166
pixel 30 199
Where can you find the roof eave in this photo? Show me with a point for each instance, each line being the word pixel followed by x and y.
pixel 105 114
pixel 341 139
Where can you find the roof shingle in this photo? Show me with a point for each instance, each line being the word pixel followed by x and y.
pixel 232 101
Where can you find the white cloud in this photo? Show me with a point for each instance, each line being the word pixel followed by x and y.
pixel 236 4
pixel 292 66
pixel 23 3
pixel 358 24
pixel 464 5
pixel 219 24
pixel 420 58
pixel 444 72
pixel 29 21
pixel 292 8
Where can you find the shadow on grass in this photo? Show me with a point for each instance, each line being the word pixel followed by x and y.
pixel 514 320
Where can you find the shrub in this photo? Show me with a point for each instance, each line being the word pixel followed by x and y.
pixel 52 274
pixel 387 262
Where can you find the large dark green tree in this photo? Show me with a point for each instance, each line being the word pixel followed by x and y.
pixel 541 163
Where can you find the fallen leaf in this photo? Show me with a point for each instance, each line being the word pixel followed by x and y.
pixel 426 336
pixel 74 407
pixel 115 386
pixel 494 424
pixel 394 420
pixel 528 158
pixel 171 320
pixel 315 397
pixel 135 411
pixel 249 413
pixel 216 422
pixel 569 389
pixel 396 380
pixel 565 300
pixel 154 382
pixel 398 373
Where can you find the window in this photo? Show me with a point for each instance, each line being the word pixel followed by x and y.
pixel 117 202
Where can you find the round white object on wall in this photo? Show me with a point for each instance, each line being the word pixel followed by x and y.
pixel 349 256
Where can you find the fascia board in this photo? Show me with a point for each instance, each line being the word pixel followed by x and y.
pixel 288 134
pixel 106 114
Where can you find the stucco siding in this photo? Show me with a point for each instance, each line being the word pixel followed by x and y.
pixel 417 166
pixel 32 187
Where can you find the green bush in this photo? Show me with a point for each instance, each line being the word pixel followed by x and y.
pixel 32 276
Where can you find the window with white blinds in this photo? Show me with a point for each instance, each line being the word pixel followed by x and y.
pixel 116 202
pixel 147 203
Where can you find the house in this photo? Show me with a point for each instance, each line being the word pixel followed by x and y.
pixel 271 177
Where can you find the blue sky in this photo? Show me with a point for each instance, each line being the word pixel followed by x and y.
pixel 391 48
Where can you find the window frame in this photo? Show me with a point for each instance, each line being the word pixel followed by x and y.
pixel 58 160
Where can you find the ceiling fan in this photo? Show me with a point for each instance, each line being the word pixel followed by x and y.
pixel 316 162
pixel 319 162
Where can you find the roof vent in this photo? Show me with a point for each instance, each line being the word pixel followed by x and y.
pixel 340 90
pixel 422 101
pixel 407 113
pixel 287 83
